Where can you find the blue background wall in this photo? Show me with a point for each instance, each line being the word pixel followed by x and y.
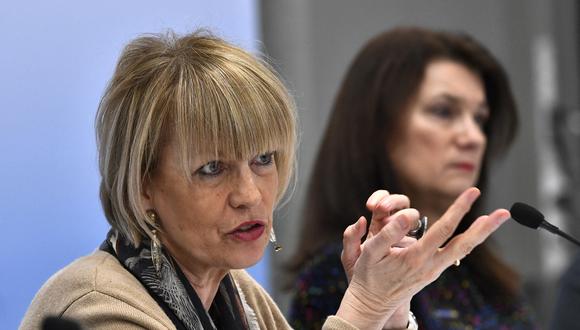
pixel 55 60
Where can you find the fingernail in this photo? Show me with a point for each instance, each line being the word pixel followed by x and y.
pixel 505 218
pixel 358 223
pixel 473 194
pixel 372 202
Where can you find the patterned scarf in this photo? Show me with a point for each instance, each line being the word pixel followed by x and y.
pixel 172 291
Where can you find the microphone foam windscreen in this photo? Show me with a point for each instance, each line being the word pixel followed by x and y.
pixel 526 215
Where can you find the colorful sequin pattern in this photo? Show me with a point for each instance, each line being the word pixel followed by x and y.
pixel 451 302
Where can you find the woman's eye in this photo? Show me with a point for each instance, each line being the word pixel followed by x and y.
pixel 481 119
pixel 264 159
pixel 441 111
pixel 211 169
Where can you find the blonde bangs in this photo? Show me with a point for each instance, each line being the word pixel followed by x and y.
pixel 234 110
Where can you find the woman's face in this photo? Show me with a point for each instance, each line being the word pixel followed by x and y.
pixel 441 147
pixel 219 220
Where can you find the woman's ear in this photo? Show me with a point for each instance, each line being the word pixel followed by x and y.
pixel 146 193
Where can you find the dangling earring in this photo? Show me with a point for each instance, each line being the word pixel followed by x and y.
pixel 155 243
pixel 277 246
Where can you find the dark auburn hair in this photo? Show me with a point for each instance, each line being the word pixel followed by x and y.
pixel 382 80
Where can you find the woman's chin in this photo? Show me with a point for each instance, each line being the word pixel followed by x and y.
pixel 248 258
pixel 458 185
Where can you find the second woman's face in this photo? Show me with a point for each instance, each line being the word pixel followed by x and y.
pixel 442 143
pixel 220 219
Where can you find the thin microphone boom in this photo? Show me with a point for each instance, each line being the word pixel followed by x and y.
pixel 528 216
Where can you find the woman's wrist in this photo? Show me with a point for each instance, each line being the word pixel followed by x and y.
pixel 350 311
pixel 400 318
pixel 411 324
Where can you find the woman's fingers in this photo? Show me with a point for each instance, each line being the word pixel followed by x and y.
pixel 377 224
pixel 384 206
pixel 389 264
pixel 351 245
pixel 463 244
pixel 443 228
pixel 405 242
pixel 379 246
pixel 375 198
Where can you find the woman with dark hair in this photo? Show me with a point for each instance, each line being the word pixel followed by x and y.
pixel 420 113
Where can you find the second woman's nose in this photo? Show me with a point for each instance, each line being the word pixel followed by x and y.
pixel 470 134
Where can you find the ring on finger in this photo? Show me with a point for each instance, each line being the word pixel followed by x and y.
pixel 420 229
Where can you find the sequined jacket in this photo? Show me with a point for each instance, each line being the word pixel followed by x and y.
pixel 453 301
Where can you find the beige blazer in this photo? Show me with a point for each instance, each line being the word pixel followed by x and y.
pixel 99 293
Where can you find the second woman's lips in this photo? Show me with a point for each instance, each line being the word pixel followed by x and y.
pixel 465 166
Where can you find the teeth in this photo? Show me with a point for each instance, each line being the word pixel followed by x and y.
pixel 248 227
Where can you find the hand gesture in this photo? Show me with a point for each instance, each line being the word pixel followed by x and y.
pixel 385 208
pixel 385 276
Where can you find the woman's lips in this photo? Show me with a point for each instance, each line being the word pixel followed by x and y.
pixel 468 167
pixel 249 231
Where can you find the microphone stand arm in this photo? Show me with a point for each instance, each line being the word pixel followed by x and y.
pixel 555 230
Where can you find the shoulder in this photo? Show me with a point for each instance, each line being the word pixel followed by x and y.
pixel 252 291
pixel 571 277
pixel 94 290
pixel 265 310
pixel 565 311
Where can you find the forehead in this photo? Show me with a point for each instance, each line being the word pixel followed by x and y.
pixel 202 149
pixel 446 77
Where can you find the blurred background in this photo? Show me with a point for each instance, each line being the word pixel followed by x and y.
pixel 56 58
pixel 313 42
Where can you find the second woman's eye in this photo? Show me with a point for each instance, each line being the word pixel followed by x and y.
pixel 442 111
pixel 264 159
pixel 481 119
pixel 212 168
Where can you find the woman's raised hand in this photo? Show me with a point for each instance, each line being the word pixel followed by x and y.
pixel 384 274
pixel 384 207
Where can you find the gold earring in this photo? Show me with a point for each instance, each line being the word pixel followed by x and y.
pixel 155 243
pixel 277 246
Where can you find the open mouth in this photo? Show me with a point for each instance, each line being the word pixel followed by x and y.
pixel 249 231
pixel 249 227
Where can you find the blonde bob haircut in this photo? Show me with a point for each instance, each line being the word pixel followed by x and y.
pixel 199 92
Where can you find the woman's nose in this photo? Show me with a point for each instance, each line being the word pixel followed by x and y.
pixel 245 192
pixel 471 133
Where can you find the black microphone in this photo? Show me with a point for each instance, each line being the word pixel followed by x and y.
pixel 528 216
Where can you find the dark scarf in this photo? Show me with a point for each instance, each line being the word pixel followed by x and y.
pixel 172 291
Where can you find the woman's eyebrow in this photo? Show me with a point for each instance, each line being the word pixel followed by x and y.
pixel 459 100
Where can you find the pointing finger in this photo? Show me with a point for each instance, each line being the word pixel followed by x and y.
pixel 463 244
pixel 446 225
